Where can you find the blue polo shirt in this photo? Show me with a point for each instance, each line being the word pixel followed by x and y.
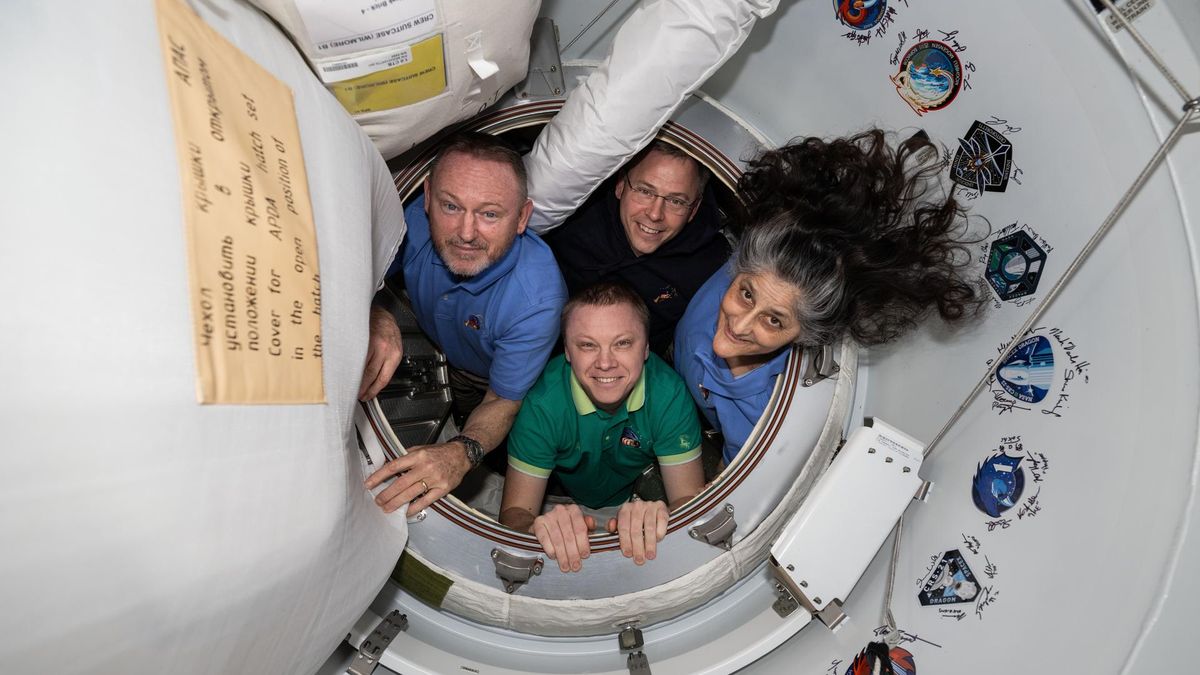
pixel 731 404
pixel 499 324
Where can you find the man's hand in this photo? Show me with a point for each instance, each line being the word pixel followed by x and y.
pixel 640 526
pixel 563 533
pixel 424 475
pixel 384 351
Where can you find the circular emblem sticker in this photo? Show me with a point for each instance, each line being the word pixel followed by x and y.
pixel 929 77
pixel 998 484
pixel 1028 371
pixel 860 14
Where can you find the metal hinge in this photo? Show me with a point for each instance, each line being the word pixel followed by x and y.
pixel 784 603
pixel 515 570
pixel 820 365
pixel 831 615
pixel 923 491
pixel 377 642
pixel 631 642
pixel 718 530
pixel 791 591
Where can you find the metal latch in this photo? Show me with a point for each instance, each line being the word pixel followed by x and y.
pixel 515 570
pixel 631 642
pixel 418 377
pixel 718 530
pixel 791 592
pixel 362 447
pixel 374 645
pixel 820 365
pixel 784 603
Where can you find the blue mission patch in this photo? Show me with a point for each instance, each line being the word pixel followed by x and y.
pixel 1028 371
pixel 998 484
pixel 630 438
pixel 860 14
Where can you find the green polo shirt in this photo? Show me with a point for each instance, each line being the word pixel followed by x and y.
pixel 598 455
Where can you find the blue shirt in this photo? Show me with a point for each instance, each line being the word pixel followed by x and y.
pixel 731 404
pixel 501 323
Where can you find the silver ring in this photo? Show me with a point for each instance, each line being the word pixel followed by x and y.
pixel 424 485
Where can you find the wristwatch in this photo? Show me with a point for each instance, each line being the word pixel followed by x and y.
pixel 474 449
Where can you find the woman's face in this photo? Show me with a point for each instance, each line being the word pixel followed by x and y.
pixel 756 319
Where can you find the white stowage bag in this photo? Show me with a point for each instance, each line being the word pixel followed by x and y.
pixel 142 531
pixel 662 53
pixel 406 69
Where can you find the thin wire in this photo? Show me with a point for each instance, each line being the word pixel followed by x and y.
pixel 1158 62
pixel 590 24
pixel 1189 111
pixel 889 620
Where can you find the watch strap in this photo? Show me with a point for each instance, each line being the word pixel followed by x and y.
pixel 474 449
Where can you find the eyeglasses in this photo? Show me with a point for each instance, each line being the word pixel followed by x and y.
pixel 645 197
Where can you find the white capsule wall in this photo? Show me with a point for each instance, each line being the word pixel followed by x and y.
pixel 145 529
pixel 1085 570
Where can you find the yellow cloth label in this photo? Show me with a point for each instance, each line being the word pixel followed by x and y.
pixel 252 248
pixel 421 78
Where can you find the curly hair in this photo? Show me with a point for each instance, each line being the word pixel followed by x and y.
pixel 849 223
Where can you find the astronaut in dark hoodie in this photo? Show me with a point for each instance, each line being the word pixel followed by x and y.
pixel 656 231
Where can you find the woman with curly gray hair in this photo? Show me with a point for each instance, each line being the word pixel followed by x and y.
pixel 841 238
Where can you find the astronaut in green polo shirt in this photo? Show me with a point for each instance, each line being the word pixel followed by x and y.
pixel 598 416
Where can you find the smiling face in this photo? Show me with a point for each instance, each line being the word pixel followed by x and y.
pixel 607 348
pixel 756 319
pixel 475 212
pixel 649 225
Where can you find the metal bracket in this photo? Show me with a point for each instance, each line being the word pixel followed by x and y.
pixel 418 377
pixel 638 664
pixel 515 570
pixel 374 645
pixel 820 365
pixel 630 641
pixel 718 530
pixel 792 593
pixel 545 79
pixel 784 603
pixel 832 616
pixel 923 491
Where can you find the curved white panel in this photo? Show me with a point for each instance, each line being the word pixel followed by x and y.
pixel 144 532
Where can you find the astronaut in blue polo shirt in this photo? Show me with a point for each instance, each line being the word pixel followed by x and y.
pixel 486 291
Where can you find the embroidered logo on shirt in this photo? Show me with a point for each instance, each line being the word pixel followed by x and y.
pixel 474 322
pixel 630 438
pixel 666 293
